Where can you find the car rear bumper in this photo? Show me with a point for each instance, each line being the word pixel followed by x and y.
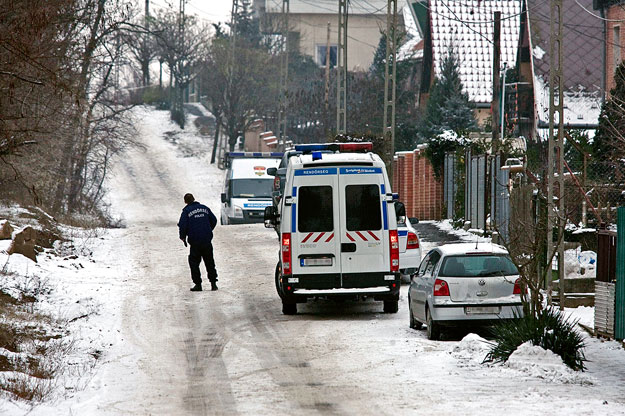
pixel 459 314
pixel 381 286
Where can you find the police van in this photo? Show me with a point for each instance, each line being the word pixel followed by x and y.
pixel 337 227
pixel 247 186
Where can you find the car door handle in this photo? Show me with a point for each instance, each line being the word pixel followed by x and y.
pixel 348 247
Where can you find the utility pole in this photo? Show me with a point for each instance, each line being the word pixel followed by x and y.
pixel 556 146
pixel 496 65
pixel 389 82
pixel 146 46
pixel 341 76
pixel 327 89
pixel 495 113
pixel 284 75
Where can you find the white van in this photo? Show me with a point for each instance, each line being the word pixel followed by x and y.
pixel 247 187
pixel 337 227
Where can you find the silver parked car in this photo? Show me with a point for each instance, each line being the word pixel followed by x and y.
pixel 464 284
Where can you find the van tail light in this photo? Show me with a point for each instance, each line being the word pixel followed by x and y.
pixel 441 288
pixel 413 241
pixel 286 253
pixel 517 287
pixel 394 243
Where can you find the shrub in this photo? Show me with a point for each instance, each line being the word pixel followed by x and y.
pixel 550 330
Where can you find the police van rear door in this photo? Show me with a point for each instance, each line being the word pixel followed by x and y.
pixel 364 219
pixel 314 225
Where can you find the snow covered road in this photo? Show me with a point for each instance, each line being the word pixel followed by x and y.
pixel 233 352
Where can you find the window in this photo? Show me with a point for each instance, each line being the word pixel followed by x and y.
pixel 616 45
pixel 315 209
pixel 478 266
pixel 251 188
pixel 321 55
pixel 429 263
pixel 362 207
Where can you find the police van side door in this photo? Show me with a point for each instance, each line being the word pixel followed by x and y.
pixel 315 224
pixel 363 215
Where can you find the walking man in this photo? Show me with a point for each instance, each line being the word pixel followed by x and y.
pixel 196 224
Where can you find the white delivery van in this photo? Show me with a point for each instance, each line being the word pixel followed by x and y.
pixel 337 227
pixel 247 187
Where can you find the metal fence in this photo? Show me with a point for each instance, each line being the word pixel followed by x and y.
pixel 475 194
pixel 499 197
pixel 450 184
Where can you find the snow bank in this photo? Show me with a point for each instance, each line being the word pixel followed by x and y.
pixel 580 264
pixel 538 362
pixel 471 348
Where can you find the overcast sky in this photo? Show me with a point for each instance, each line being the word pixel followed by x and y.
pixel 211 11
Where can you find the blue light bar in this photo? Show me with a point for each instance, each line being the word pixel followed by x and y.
pixel 254 154
pixel 312 147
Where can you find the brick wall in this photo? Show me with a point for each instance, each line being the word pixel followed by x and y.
pixel 615 16
pixel 414 180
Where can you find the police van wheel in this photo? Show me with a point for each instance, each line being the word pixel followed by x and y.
pixel 391 306
pixel 289 308
pixel 278 273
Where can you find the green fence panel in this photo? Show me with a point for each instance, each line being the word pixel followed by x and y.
pixel 619 322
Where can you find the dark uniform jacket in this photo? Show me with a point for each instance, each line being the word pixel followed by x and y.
pixel 196 223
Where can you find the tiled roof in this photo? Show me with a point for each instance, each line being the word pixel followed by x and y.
pixel 467 27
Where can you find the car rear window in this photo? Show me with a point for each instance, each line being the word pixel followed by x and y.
pixel 362 207
pixel 477 266
pixel 314 209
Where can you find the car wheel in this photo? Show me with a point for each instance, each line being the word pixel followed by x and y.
pixel 289 308
pixel 414 324
pixel 434 330
pixel 278 273
pixel 391 306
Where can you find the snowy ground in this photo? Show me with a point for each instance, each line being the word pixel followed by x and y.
pixel 163 350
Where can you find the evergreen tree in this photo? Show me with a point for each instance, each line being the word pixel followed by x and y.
pixel 448 108
pixel 609 140
pixel 247 25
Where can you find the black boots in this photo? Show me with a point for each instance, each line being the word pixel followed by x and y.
pixel 197 288
pixel 213 285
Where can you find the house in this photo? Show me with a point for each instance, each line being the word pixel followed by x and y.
pixel 466 26
pixel 308 28
pixel 613 13
pixel 583 59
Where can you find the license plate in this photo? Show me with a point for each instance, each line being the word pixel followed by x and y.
pixel 478 310
pixel 324 261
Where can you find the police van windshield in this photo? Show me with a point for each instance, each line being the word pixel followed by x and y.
pixel 251 188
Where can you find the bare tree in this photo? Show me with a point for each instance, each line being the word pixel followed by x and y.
pixel 182 51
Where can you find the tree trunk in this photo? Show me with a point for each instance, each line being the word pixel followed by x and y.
pixel 216 141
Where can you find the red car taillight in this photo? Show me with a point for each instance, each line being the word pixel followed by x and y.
pixel 394 243
pixel 286 253
pixel 413 241
pixel 517 287
pixel 441 288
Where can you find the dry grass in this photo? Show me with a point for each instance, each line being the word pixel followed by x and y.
pixel 35 345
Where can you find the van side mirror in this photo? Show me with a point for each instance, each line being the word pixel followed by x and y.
pixel 272 171
pixel 400 211
pixel 271 215
pixel 414 220
pixel 224 198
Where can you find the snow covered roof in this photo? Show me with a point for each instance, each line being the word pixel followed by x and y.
pixel 466 26
pixel 582 61
pixel 581 107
